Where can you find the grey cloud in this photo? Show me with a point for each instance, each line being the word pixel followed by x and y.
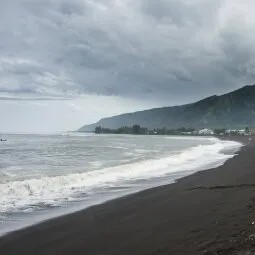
pixel 140 49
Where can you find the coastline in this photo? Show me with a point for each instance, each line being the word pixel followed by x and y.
pixel 203 213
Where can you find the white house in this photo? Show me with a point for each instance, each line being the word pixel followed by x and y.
pixel 237 132
pixel 241 131
pixel 231 131
pixel 205 131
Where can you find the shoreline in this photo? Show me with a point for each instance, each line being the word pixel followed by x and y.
pixel 143 215
pixel 35 218
pixel 23 221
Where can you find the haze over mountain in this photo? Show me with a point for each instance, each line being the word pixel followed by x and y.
pixel 231 110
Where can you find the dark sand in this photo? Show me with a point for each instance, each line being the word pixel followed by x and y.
pixel 210 212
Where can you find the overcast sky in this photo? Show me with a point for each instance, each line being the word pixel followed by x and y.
pixel 65 63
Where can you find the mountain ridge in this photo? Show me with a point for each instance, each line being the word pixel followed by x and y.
pixel 230 110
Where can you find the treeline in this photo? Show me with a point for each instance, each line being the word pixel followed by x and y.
pixel 137 129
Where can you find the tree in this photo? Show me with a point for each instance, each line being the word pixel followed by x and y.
pixel 219 131
pixel 98 130
pixel 247 130
pixel 136 129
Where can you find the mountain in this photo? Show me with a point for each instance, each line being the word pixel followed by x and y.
pixel 231 110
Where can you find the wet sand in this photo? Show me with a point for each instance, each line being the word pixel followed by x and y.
pixel 210 212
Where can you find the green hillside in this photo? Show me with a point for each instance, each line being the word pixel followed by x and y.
pixel 232 110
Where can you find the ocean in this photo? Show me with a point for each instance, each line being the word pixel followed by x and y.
pixel 44 176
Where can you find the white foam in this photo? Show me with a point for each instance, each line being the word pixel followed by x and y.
pixel 20 195
pixel 197 138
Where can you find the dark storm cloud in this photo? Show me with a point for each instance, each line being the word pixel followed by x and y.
pixel 138 49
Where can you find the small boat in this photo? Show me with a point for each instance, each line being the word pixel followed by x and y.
pixel 3 140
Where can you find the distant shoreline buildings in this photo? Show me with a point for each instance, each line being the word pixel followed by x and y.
pixel 138 130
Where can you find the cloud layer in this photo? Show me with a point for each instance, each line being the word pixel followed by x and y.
pixel 163 50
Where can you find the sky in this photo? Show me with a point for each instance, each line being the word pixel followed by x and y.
pixel 66 63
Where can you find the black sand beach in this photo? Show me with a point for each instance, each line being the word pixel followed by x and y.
pixel 210 212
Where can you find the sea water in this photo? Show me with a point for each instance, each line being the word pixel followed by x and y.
pixel 44 176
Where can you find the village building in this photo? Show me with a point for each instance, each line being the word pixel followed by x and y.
pixel 205 131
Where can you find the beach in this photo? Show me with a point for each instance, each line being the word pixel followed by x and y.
pixel 209 212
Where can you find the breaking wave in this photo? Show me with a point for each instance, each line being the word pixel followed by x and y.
pixel 31 194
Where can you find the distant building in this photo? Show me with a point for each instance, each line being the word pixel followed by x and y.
pixel 231 131
pixel 186 133
pixel 205 131
pixel 241 132
pixel 238 132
